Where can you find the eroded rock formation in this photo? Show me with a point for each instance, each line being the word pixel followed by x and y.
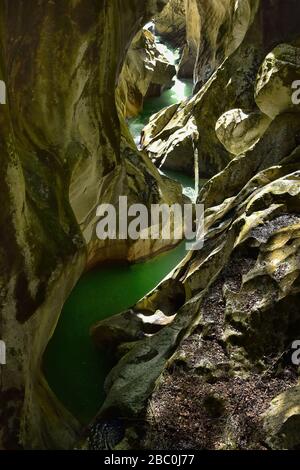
pixel 63 151
pixel 170 24
pixel 216 334
pixel 146 72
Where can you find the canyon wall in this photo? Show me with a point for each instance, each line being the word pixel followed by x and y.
pixel 63 151
pixel 170 24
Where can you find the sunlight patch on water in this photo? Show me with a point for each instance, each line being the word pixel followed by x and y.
pixel 172 55
pixel 180 89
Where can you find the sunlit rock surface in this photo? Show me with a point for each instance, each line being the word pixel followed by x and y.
pixel 170 24
pixel 207 352
pixel 146 72
pixel 277 81
pixel 239 131
pixel 214 30
pixel 282 420
pixel 178 153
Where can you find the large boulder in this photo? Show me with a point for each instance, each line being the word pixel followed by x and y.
pixel 282 420
pixel 239 131
pixel 275 87
pixel 177 154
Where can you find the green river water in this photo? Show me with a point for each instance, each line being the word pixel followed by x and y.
pixel 74 368
pixel 182 89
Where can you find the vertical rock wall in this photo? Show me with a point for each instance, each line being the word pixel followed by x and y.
pixel 60 137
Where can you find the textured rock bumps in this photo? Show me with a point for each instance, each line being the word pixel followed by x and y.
pixel 274 87
pixel 146 72
pixel 239 131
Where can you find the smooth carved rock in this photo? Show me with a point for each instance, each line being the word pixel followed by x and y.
pixel 239 131
pixel 255 294
pixel 60 137
pixel 275 90
pixel 178 153
pixel 146 72
pixel 214 30
pixel 252 225
pixel 282 420
pixel 231 86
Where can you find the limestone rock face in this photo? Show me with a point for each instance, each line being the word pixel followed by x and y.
pixel 211 341
pixel 277 81
pixel 176 154
pixel 170 24
pixel 223 30
pixel 238 288
pixel 214 30
pixel 282 420
pixel 146 72
pixel 193 33
pixel 232 86
pixel 239 131
pixel 61 137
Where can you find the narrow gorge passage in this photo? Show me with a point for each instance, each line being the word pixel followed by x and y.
pixel 181 90
pixel 74 368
